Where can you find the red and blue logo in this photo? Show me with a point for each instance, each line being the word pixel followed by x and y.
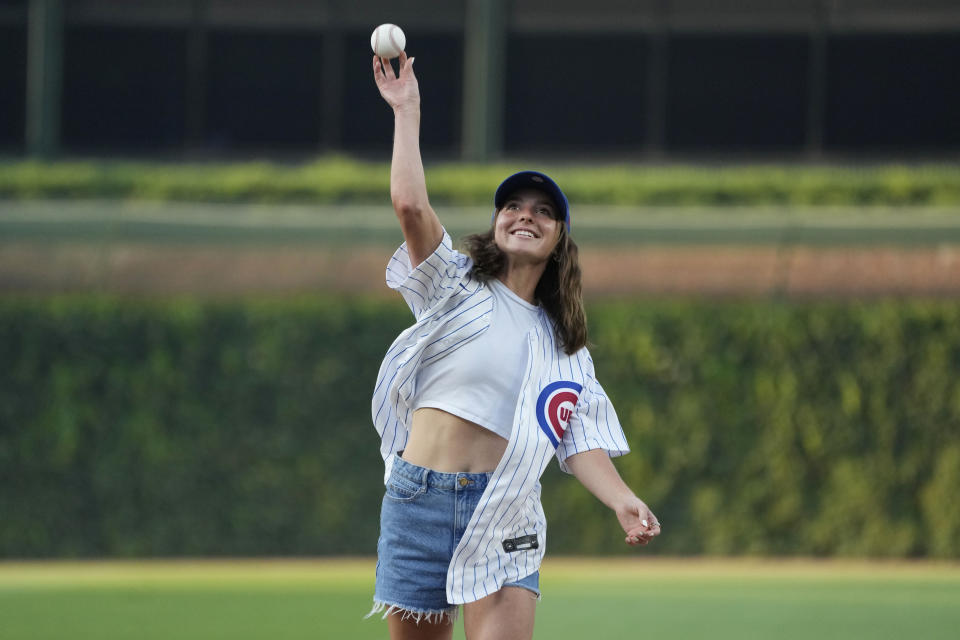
pixel 555 405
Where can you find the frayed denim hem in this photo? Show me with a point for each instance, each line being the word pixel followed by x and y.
pixel 446 616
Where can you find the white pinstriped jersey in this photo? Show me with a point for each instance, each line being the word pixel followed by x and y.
pixel 561 410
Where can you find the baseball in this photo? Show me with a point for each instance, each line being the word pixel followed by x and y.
pixel 388 41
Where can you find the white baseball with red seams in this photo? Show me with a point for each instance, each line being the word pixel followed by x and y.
pixel 388 41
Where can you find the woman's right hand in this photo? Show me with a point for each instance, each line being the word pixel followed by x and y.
pixel 400 92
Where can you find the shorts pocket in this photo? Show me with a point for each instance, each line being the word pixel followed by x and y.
pixel 400 489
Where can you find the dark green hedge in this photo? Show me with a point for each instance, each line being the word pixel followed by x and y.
pixel 342 180
pixel 184 428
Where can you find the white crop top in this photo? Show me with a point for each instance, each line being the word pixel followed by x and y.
pixel 480 381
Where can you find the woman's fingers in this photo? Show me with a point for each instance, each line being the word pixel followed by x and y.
pixel 645 533
pixel 380 69
pixel 638 540
pixel 644 530
pixel 383 70
pixel 379 75
pixel 406 66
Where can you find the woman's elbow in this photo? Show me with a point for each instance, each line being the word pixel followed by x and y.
pixel 408 210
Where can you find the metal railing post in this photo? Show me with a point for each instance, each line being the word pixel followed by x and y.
pixel 44 77
pixel 483 79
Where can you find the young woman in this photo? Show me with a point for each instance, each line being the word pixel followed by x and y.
pixel 472 401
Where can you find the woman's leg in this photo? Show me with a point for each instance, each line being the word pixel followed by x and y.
pixel 409 629
pixel 504 615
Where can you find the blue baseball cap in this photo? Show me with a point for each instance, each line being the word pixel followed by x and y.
pixel 533 180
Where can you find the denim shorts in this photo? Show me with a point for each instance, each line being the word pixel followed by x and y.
pixel 423 517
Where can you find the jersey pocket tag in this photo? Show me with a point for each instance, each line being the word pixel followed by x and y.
pixel 521 544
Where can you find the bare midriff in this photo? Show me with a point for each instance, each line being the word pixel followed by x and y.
pixel 444 442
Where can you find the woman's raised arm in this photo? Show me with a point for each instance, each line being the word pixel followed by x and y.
pixel 408 188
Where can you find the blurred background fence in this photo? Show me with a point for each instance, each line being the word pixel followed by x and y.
pixel 765 193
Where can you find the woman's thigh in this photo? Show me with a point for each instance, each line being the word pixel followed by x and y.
pixel 409 629
pixel 505 615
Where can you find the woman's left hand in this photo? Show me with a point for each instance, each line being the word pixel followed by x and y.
pixel 638 522
pixel 596 472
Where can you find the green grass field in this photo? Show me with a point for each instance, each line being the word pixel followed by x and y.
pixel 592 599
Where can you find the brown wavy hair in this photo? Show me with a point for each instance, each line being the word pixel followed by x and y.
pixel 559 292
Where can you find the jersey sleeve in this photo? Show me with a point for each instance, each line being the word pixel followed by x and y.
pixel 594 424
pixel 433 279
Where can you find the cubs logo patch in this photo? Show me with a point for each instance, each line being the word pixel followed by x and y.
pixel 555 405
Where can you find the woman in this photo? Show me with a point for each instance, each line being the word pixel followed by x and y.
pixel 473 399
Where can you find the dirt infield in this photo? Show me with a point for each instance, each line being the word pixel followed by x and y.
pixel 736 271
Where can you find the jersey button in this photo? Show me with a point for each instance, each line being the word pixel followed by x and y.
pixel 465 481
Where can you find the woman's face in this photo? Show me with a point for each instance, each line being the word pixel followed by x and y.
pixel 526 228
